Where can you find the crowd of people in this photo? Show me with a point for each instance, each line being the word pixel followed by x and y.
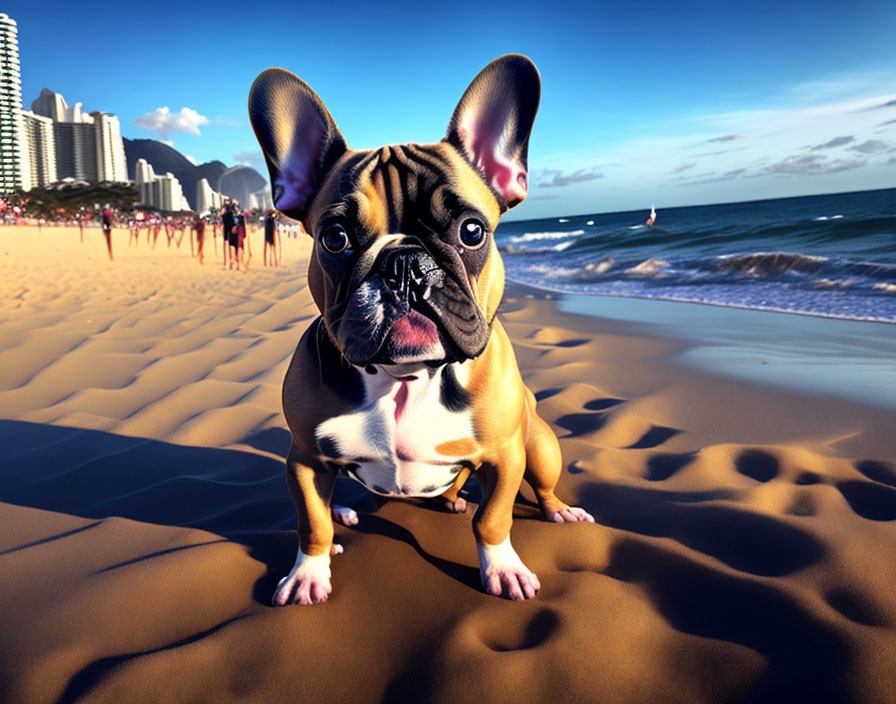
pixel 230 223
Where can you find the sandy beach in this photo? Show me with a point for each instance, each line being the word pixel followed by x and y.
pixel 744 548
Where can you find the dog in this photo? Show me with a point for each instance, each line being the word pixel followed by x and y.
pixel 407 382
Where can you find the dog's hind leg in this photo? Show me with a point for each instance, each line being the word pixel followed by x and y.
pixel 543 466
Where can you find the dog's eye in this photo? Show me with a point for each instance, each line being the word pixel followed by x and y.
pixel 472 233
pixel 334 239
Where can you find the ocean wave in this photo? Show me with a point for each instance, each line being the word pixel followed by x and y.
pixel 872 234
pixel 831 284
pixel 766 263
pixel 830 255
pixel 538 236
pixel 649 267
pixel 551 271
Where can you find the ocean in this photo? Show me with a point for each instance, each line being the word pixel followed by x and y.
pixel 828 255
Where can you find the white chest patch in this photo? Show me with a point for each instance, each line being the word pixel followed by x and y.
pixel 390 442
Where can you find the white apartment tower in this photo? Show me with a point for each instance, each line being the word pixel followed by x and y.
pixel 162 192
pixel 52 105
pixel 14 171
pixel 206 198
pixel 41 144
pixel 88 147
pixel 109 148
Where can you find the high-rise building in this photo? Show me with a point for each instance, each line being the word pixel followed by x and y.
pixel 261 200
pixel 41 144
pixel 88 147
pixel 76 155
pixel 51 105
pixel 206 198
pixel 109 148
pixel 162 192
pixel 14 170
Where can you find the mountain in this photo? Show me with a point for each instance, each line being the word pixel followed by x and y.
pixel 239 182
pixel 163 159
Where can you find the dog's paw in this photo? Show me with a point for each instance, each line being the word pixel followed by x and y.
pixel 344 515
pixel 307 583
pixel 569 514
pixel 504 574
pixel 457 506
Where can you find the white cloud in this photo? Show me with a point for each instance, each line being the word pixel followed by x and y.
pixel 163 120
pixel 191 159
pixel 759 151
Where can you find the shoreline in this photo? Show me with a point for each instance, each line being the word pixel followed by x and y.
pixel 713 304
pixel 846 358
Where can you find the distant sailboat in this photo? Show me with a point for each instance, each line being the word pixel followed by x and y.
pixel 652 219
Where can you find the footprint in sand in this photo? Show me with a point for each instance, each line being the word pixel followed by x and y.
pixel 878 471
pixel 666 464
pixel 869 500
pixel 524 634
pixel 654 437
pixel 758 464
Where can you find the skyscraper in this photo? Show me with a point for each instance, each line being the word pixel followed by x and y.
pixel 206 198
pixel 12 158
pixel 41 144
pixel 162 192
pixel 51 105
pixel 88 146
pixel 109 148
pixel 76 151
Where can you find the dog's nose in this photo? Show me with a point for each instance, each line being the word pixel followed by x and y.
pixel 411 273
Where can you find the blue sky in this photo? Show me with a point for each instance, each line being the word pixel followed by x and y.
pixel 667 103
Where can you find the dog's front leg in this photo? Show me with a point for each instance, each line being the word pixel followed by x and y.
pixel 311 486
pixel 501 569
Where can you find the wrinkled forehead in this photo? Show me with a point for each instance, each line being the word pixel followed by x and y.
pixel 405 189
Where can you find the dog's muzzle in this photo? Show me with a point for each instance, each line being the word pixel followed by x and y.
pixel 411 273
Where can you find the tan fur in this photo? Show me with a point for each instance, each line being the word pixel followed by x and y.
pixel 511 442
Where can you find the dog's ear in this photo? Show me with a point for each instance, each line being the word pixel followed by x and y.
pixel 299 139
pixel 492 123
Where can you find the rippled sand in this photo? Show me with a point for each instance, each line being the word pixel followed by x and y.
pixel 744 546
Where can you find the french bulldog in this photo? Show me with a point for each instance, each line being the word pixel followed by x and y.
pixel 407 382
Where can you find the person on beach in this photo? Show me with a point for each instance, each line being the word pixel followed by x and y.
pixel 179 228
pixel 108 217
pixel 242 232
pixel 199 229
pixel 227 224
pixel 234 236
pixel 271 235
pixel 156 225
pixel 215 222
